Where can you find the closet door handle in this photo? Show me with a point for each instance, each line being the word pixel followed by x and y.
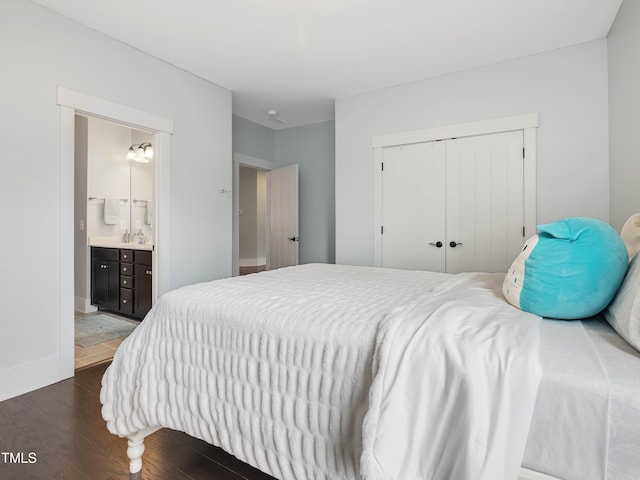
pixel 453 244
pixel 437 244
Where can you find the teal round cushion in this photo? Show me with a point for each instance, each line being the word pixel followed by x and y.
pixel 571 269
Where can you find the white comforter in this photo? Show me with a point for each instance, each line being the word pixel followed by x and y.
pixel 336 372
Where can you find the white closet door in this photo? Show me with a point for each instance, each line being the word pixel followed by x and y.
pixel 413 209
pixel 485 202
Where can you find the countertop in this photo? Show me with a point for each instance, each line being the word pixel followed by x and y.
pixel 110 242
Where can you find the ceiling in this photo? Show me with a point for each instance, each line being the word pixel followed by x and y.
pixel 298 56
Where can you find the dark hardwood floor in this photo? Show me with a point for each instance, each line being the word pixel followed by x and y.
pixel 58 432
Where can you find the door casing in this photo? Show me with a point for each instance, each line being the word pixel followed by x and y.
pixel 70 103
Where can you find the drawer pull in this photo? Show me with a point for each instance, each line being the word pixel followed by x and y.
pixel 124 269
pixel 104 266
pixel 125 301
pixel 148 272
pixel 124 282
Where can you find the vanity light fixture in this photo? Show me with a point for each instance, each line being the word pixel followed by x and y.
pixel 142 152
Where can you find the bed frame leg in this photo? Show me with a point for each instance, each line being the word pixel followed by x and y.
pixel 134 452
pixel 136 448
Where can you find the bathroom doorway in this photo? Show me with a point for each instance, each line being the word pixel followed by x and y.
pixel 71 102
pixel 113 211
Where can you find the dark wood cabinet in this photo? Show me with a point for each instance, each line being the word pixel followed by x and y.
pixel 143 276
pixel 105 278
pixel 121 280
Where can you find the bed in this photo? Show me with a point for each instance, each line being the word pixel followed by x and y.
pixel 341 372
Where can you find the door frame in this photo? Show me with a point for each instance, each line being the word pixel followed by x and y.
pixel 240 159
pixel 528 123
pixel 71 102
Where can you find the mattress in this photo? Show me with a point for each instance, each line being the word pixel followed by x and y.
pixel 586 423
pixel 311 372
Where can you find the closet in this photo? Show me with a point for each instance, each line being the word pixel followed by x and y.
pixel 455 204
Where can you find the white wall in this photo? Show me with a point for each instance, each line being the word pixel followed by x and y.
pixel 568 88
pixel 624 112
pixel 41 51
pixel 108 175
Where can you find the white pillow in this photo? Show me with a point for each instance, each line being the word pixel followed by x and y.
pixel 623 313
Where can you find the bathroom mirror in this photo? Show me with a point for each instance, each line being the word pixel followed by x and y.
pixel 141 191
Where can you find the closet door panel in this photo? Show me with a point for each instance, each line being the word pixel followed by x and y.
pixel 485 202
pixel 413 207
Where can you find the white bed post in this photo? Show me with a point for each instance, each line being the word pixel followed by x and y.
pixel 136 448
pixel 134 452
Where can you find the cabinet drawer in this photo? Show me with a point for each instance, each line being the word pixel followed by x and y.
pixel 142 256
pixel 99 253
pixel 126 269
pixel 126 281
pixel 126 256
pixel 126 301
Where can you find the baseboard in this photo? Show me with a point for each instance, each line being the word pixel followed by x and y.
pixel 83 305
pixel 31 376
pixel 252 262
pixel 526 474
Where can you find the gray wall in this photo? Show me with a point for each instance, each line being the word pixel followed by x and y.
pixel 81 258
pixel 40 51
pixel 624 112
pixel 252 139
pixel 312 147
pixel 568 87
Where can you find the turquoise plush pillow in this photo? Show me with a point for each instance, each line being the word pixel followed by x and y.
pixel 571 269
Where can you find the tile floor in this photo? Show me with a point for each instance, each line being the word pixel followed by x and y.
pixel 86 356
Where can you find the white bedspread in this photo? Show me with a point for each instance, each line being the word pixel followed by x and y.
pixel 455 388
pixel 278 368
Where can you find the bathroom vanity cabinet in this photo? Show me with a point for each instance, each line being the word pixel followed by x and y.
pixel 121 280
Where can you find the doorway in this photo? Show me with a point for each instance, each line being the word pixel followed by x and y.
pixel 105 174
pixel 70 104
pixel 252 213
pixel 281 222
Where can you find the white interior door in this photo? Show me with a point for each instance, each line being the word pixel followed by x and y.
pixel 413 206
pixel 282 209
pixel 485 202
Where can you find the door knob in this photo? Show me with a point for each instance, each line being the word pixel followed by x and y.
pixel 437 244
pixel 293 239
pixel 453 244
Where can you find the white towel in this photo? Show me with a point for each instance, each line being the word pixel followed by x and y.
pixel 148 214
pixel 111 211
